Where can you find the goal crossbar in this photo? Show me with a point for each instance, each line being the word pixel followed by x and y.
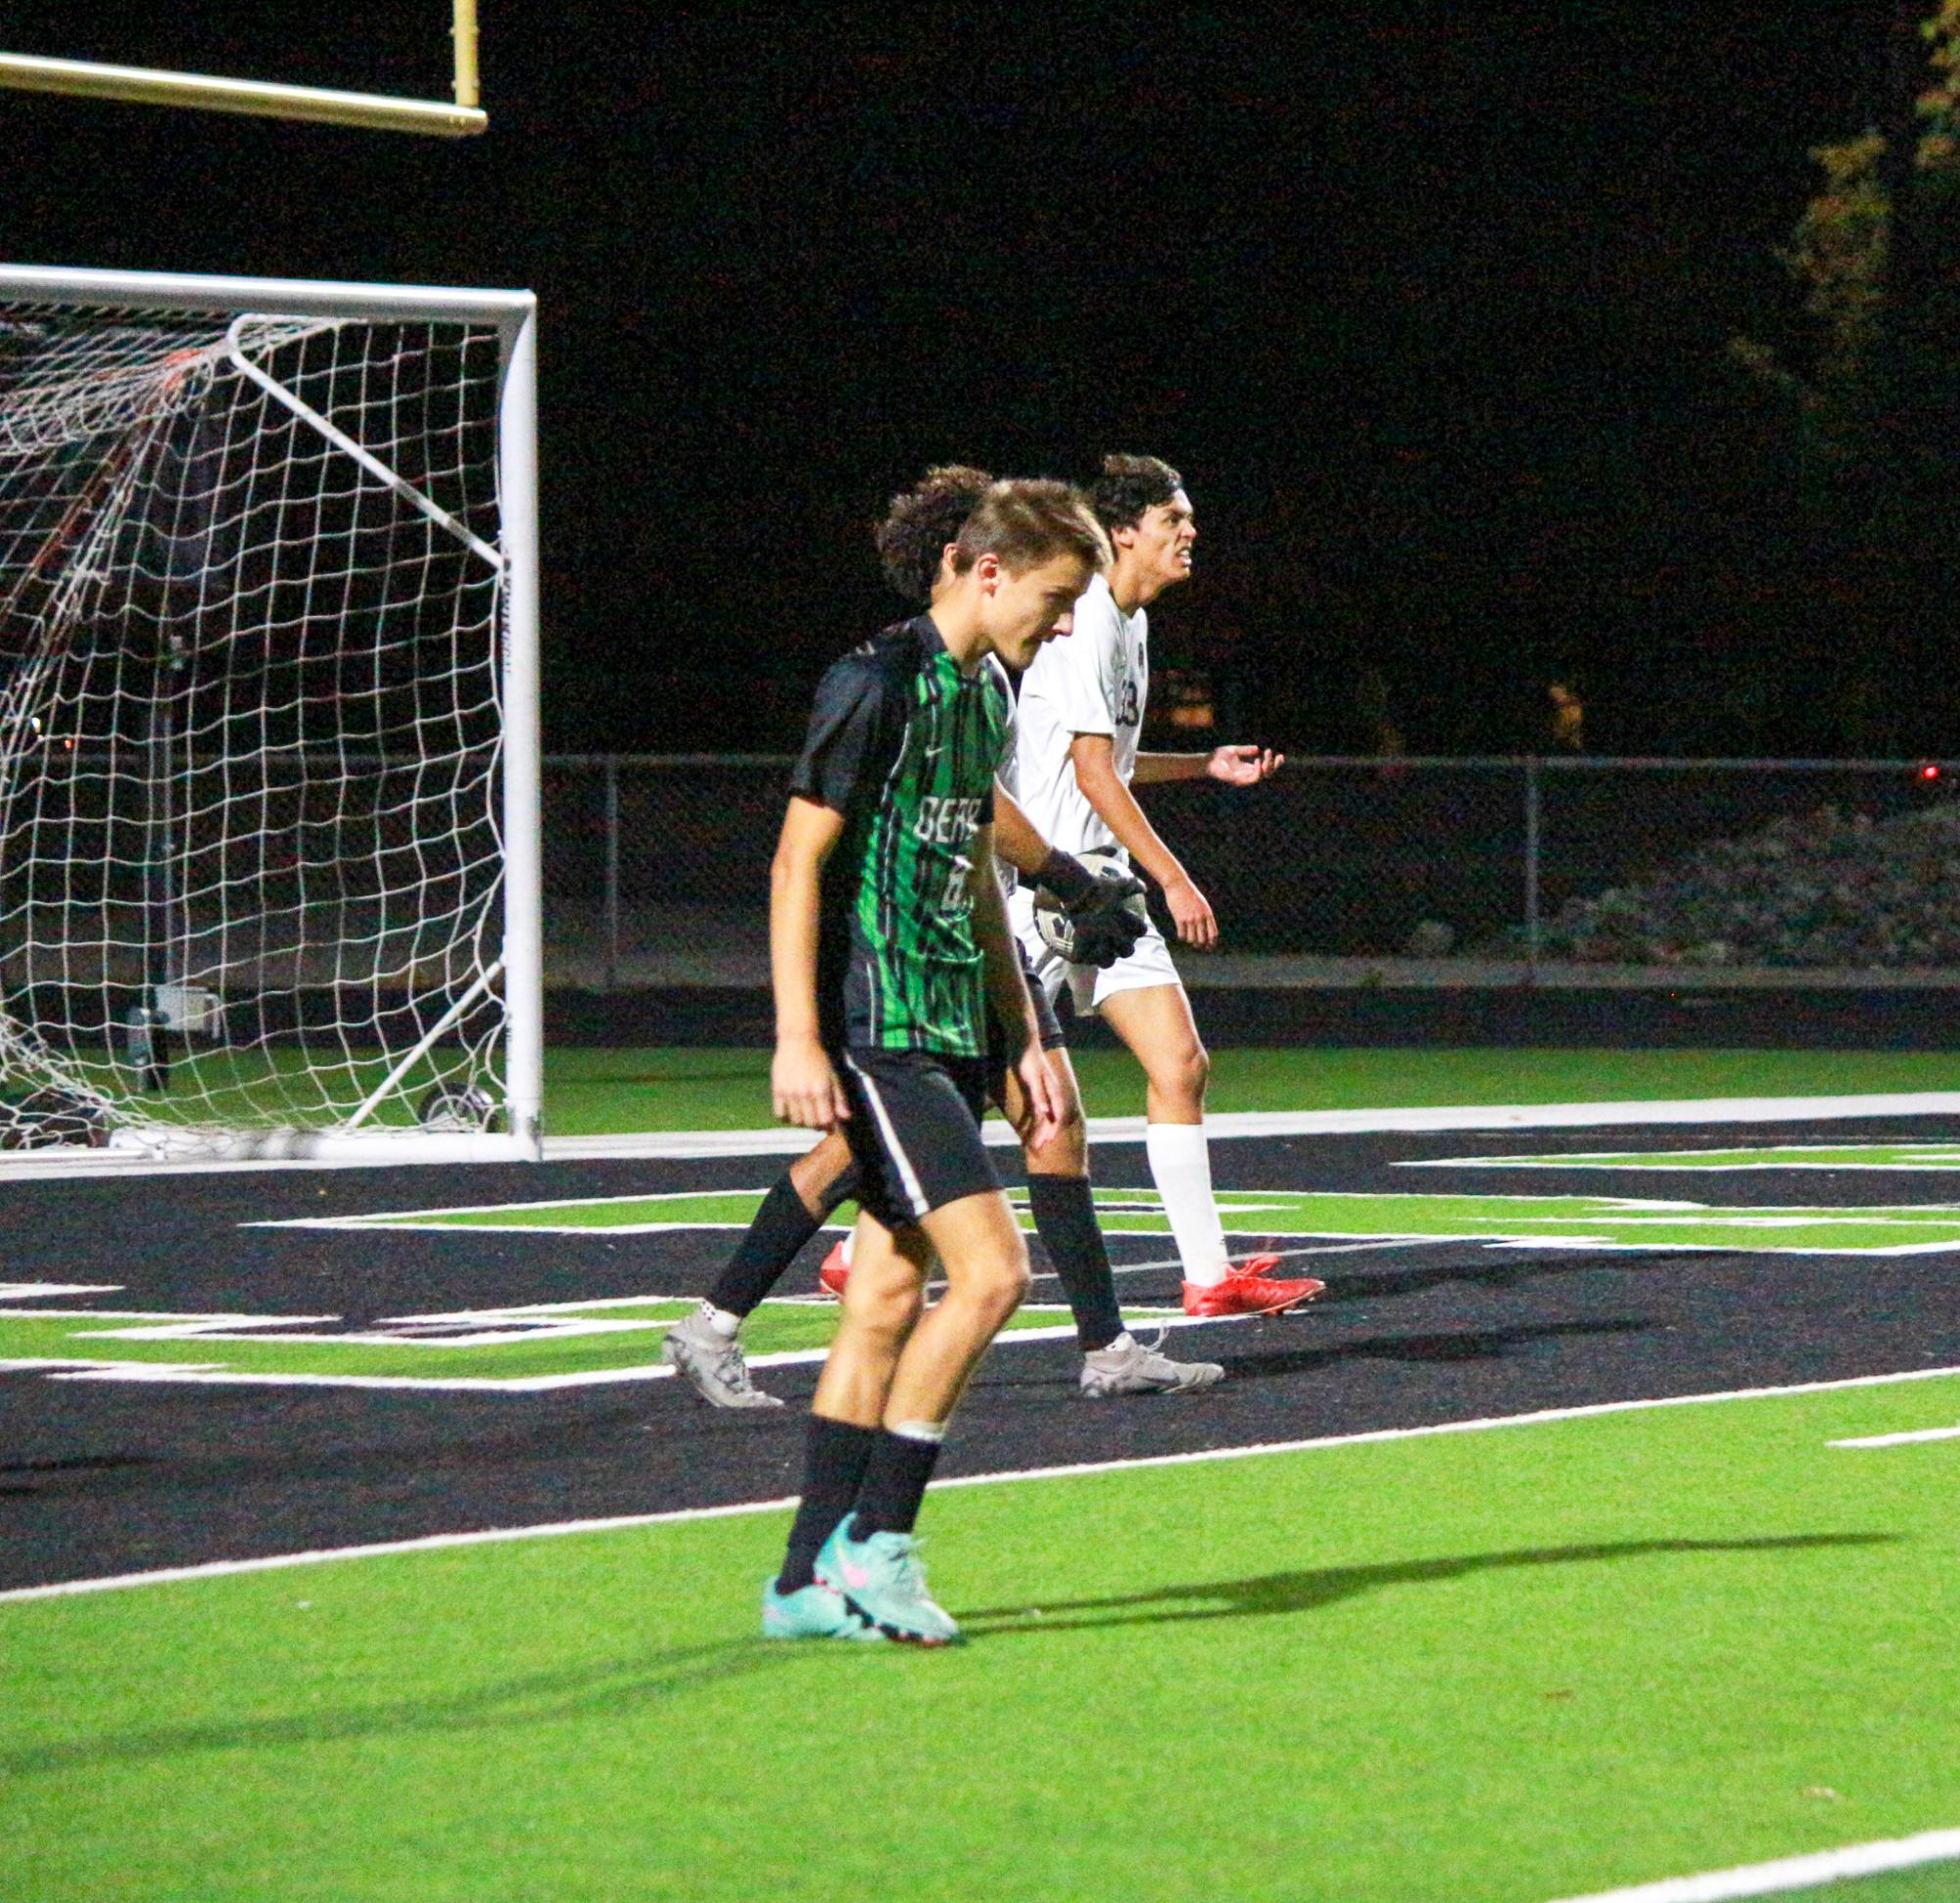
pixel 266 99
pixel 288 297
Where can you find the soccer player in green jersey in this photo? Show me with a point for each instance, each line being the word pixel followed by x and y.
pixel 916 544
pixel 889 941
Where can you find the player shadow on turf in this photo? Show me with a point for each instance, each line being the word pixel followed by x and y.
pixel 610 1688
pixel 1442 1345
pixel 1272 1594
pixel 1511 1271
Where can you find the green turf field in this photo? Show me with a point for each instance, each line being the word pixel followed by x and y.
pixel 592 1092
pixel 1496 1667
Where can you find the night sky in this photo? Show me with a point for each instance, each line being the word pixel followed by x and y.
pixel 1431 306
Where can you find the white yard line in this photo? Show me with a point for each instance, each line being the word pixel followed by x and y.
pixel 1339 1122
pixel 212 1374
pixel 1789 1874
pixel 223 1568
pixel 37 1291
pixel 1924 1435
pixel 1123 1129
pixel 140 1373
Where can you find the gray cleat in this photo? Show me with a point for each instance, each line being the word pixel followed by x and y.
pixel 712 1363
pixel 1135 1369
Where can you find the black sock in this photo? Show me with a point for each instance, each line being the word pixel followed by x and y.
pixel 835 1454
pixel 1065 1218
pixel 781 1226
pixel 894 1485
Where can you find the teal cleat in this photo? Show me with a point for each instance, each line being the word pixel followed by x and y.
pixel 810 1612
pixel 882 1582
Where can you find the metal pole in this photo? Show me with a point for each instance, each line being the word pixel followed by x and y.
pixel 464 33
pixel 1533 825
pixel 523 876
pixel 612 873
pixel 202 92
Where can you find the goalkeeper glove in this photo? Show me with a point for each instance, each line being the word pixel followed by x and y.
pixel 1107 925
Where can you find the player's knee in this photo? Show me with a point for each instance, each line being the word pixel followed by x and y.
pixel 1184 1071
pixel 884 1309
pixel 1069 1138
pixel 1002 1284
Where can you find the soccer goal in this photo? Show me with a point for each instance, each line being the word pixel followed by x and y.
pixel 269 719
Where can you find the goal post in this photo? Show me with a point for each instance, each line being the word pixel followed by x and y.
pixel 269 853
pixel 268 98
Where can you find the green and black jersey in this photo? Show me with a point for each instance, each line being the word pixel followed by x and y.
pixel 904 744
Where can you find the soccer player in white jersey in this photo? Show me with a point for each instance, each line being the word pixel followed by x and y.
pixel 1082 710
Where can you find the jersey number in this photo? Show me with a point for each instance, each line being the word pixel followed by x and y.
pixel 1126 713
pixel 958 897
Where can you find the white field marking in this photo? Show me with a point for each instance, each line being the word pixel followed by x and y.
pixel 564 1318
pixel 221 1568
pixel 433 1218
pixel 490 1335
pixel 1335 1122
pixel 1789 1874
pixel 148 1316
pixel 1945 1156
pixel 1615 1245
pixel 1110 1130
pixel 33 1290
pixel 210 1375
pixel 414 1225
pixel 1903 1440
pixel 76 1366
pixel 1625 1208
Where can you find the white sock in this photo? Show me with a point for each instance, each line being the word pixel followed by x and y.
pixel 727 1326
pixel 929 1433
pixel 1181 1166
pixel 1123 1344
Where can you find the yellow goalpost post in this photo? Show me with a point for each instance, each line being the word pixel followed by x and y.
pixel 377 111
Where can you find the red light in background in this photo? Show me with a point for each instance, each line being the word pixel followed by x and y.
pixel 1928 772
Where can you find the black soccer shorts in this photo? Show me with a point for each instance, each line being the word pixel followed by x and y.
pixel 914 1130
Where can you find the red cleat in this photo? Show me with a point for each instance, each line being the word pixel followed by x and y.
pixel 1248 1290
pixel 834 1273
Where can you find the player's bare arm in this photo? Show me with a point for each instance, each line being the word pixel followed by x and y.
pixel 1007 991
pixel 801 1080
pixel 1017 841
pixel 1236 765
pixel 1093 757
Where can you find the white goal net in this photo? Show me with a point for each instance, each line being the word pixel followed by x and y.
pixel 267 719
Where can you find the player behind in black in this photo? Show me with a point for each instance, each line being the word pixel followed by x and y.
pixel 916 544
pixel 889 942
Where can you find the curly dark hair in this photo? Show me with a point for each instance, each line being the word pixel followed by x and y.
pixel 919 524
pixel 1130 485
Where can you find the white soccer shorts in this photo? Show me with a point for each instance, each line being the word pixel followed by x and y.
pixel 1147 964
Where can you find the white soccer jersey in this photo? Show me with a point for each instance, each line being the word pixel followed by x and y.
pixel 1008 773
pixel 1093 681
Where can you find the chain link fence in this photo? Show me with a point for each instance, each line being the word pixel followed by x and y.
pixel 656 867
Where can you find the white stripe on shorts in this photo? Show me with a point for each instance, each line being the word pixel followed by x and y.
pixel 907 1175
